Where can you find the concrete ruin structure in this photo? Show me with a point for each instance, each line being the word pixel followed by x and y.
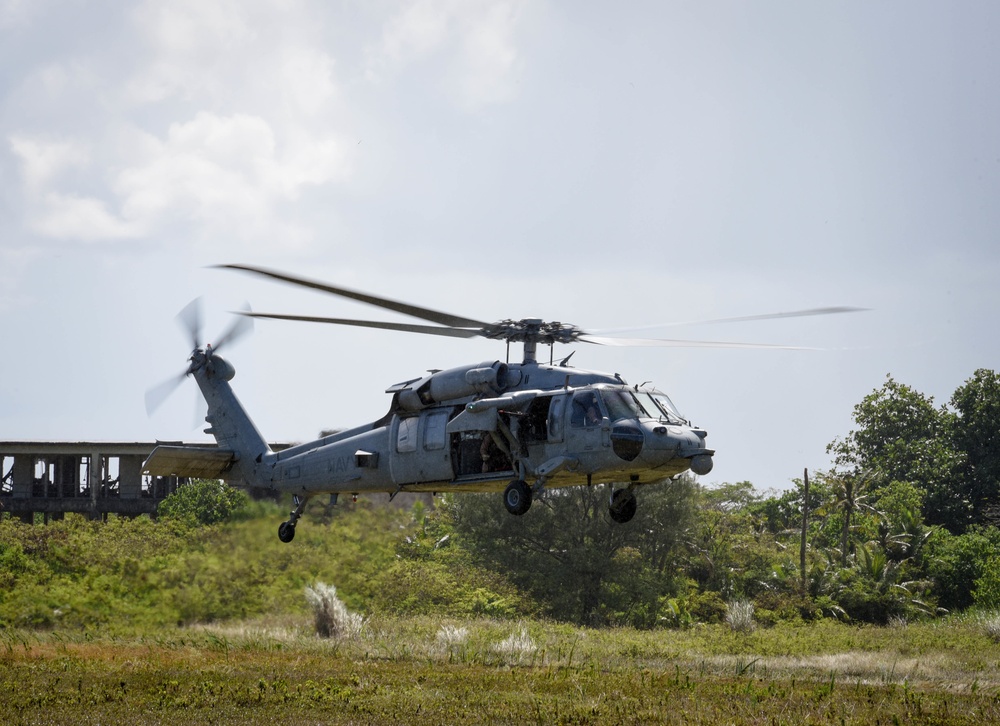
pixel 92 478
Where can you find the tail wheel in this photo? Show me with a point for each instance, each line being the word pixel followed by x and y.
pixel 286 532
pixel 517 497
pixel 623 505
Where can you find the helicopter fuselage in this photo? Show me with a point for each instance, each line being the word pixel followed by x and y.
pixel 478 427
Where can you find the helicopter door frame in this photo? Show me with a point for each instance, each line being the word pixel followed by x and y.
pixel 419 449
pixel 583 435
pixel 557 418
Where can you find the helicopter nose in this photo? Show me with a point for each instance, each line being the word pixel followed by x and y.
pixel 682 443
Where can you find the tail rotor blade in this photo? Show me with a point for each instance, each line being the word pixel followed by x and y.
pixel 156 395
pixel 190 319
pixel 242 325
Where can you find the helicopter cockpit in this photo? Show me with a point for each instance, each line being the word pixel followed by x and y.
pixel 590 406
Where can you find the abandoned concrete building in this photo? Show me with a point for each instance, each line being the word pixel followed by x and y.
pixel 92 478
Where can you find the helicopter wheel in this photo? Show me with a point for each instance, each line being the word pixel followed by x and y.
pixel 623 505
pixel 286 532
pixel 517 497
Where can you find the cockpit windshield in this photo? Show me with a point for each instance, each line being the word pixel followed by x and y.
pixel 621 404
pixel 628 403
pixel 659 405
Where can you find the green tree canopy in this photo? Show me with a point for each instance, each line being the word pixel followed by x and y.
pixel 976 433
pixel 202 501
pixel 568 553
pixel 902 436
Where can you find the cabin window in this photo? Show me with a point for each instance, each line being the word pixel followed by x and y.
pixel 406 435
pixel 435 430
pixel 556 418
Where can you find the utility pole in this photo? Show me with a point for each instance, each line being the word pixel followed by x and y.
pixel 805 522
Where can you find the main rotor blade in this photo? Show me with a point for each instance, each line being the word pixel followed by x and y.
pixel 433 316
pixel 405 327
pixel 626 342
pixel 240 327
pixel 745 318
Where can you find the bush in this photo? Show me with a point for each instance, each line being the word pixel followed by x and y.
pixel 203 501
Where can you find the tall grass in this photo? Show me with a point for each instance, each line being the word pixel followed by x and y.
pixel 739 616
pixel 331 617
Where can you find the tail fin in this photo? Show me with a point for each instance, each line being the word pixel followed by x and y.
pixel 230 424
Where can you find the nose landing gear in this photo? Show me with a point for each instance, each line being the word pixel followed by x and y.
pixel 517 497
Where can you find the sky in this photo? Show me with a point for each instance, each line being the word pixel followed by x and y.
pixel 607 165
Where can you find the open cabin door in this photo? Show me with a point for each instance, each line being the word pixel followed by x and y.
pixel 480 446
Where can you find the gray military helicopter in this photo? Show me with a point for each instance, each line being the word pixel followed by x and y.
pixel 519 428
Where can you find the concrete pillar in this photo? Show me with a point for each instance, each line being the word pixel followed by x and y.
pixel 95 473
pixel 24 475
pixel 130 477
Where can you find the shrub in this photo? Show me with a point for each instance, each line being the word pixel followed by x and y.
pixel 202 501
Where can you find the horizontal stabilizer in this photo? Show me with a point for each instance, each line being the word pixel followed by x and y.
pixel 191 461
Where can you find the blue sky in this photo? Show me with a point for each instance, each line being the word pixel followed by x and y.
pixel 606 166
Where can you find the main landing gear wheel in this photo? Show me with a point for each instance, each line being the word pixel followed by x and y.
pixel 623 505
pixel 517 497
pixel 286 531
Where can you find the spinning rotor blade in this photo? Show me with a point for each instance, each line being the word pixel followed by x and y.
pixel 745 318
pixel 240 327
pixel 452 321
pixel 629 342
pixel 156 395
pixel 190 319
pixel 405 327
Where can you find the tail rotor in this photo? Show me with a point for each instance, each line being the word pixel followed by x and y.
pixel 190 319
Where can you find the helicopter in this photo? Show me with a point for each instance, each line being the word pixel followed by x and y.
pixel 495 426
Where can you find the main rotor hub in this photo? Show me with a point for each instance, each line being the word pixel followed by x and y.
pixel 531 332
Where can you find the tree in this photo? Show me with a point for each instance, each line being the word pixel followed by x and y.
pixel 977 436
pixel 568 553
pixel 902 436
pixel 202 501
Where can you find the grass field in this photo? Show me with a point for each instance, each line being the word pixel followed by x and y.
pixel 429 671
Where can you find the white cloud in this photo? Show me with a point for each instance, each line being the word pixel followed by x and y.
pixel 42 161
pixel 66 216
pixel 226 171
pixel 305 80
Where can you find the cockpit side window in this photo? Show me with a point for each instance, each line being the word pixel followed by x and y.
pixel 586 409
